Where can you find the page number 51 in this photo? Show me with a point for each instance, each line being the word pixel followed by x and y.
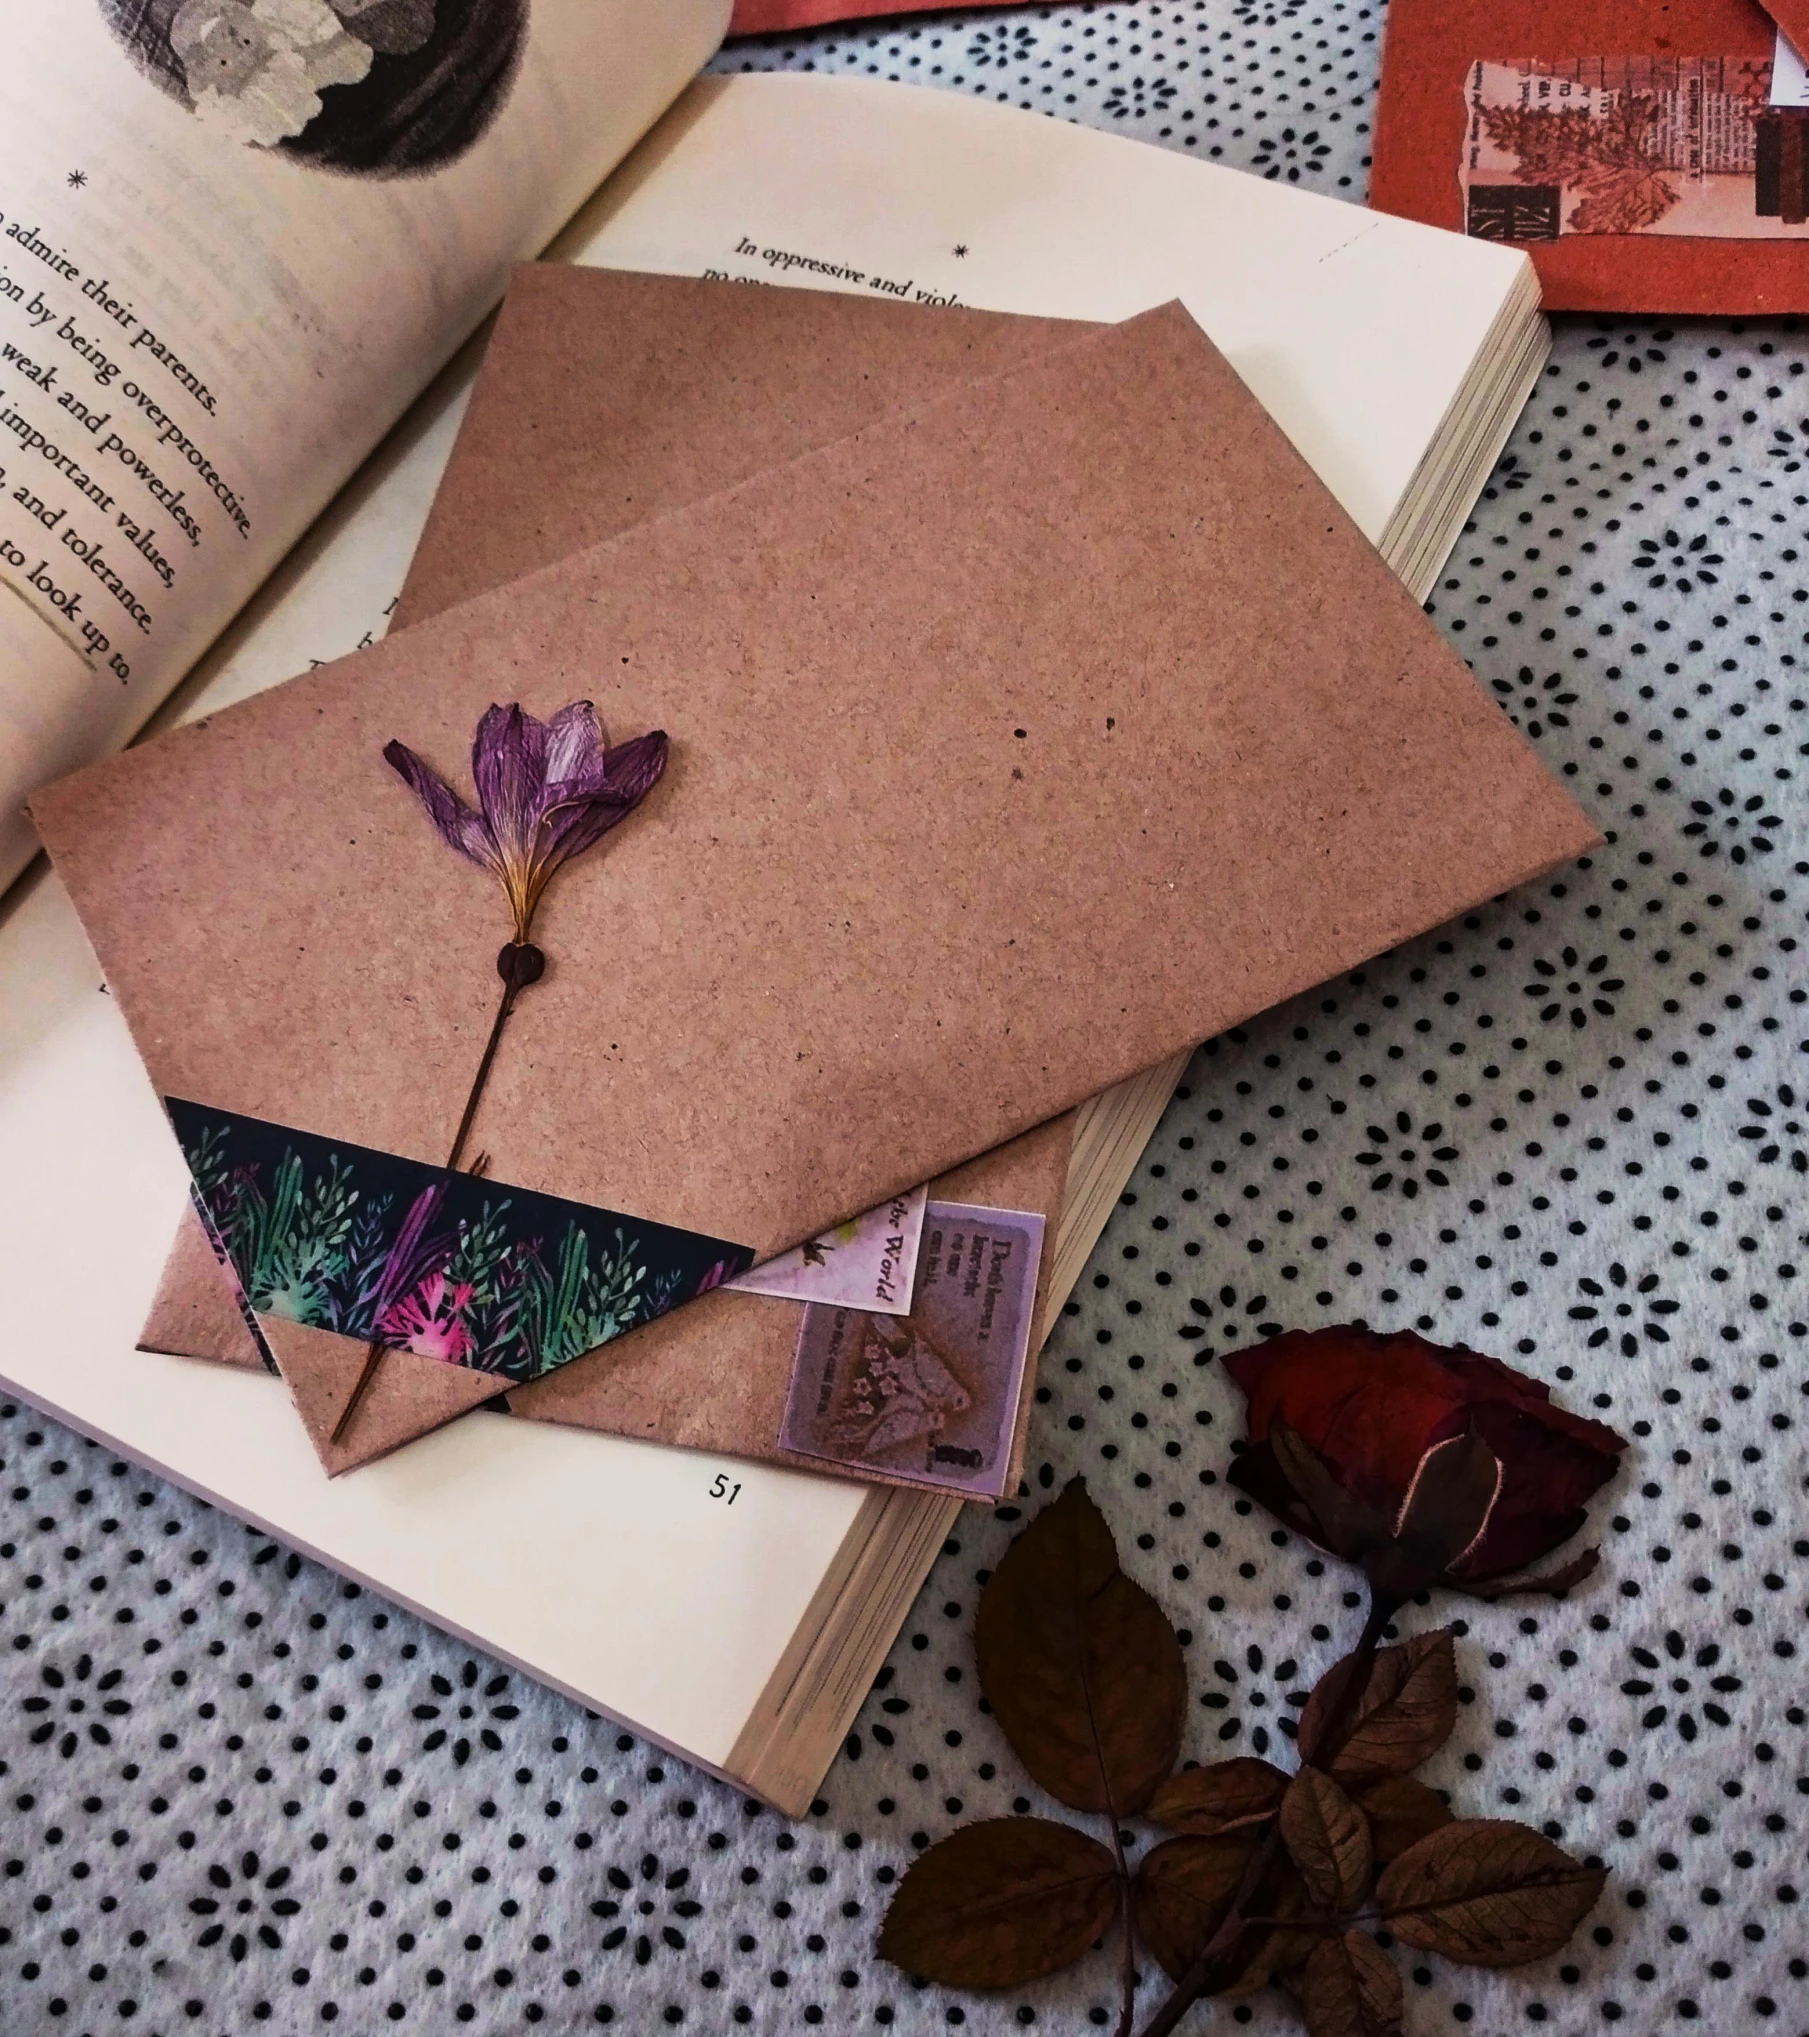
pixel 721 1489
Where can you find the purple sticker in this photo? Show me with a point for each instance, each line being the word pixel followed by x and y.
pixel 930 1397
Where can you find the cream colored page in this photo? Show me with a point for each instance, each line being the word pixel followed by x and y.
pixel 235 239
pixel 634 1577
pixel 1353 328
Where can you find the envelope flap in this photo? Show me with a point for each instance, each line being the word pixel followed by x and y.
pixel 1016 742
pixel 609 397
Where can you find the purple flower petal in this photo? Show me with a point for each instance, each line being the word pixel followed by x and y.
pixel 574 746
pixel 548 791
pixel 458 826
pixel 508 764
pixel 632 769
pixel 581 819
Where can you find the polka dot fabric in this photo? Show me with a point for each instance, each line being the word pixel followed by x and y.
pixel 1282 89
pixel 1572 1129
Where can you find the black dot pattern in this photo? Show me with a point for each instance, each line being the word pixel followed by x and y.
pixel 1282 89
pixel 1571 1129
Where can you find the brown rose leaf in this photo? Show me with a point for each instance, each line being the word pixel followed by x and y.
pixel 1001 1902
pixel 1080 1665
pixel 1327 1838
pixel 1182 1891
pixel 1218 1798
pixel 1400 1811
pixel 1405 1716
pixel 1349 1988
pixel 1281 1951
pixel 1486 1892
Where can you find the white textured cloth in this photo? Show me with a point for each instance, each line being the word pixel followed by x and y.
pixel 1571 1131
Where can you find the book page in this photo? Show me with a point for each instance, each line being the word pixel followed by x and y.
pixel 236 238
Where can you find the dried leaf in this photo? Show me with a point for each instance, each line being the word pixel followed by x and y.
pixel 1283 1950
pixel 1182 1891
pixel 1555 1582
pixel 1405 1716
pixel 1080 1665
pixel 1327 1838
pixel 1400 1812
pixel 1487 1892
pixel 1219 1798
pixel 1346 1525
pixel 1447 1507
pixel 1349 1988
pixel 1001 1902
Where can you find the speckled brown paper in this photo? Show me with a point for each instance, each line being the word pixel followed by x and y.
pixel 195 1312
pixel 1018 740
pixel 608 397
pixel 714 1375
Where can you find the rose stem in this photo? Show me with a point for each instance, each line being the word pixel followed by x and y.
pixel 1127 1968
pixel 1205 1973
pixel 373 1355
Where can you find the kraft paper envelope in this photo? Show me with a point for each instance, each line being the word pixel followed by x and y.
pixel 606 398
pixel 1756 262
pixel 1017 742
pixel 713 1376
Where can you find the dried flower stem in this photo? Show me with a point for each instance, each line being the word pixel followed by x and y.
pixel 519 964
pixel 1127 1949
pixel 1216 1962
pixel 503 1012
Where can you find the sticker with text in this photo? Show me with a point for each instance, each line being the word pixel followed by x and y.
pixel 1690 146
pixel 869 1262
pixel 1789 74
pixel 930 1397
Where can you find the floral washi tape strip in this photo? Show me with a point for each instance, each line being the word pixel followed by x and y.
pixel 450 1266
pixel 930 1397
pixel 1687 146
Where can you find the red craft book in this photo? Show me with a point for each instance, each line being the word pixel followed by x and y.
pixel 1632 150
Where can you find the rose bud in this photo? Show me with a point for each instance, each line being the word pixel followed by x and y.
pixel 1423 1464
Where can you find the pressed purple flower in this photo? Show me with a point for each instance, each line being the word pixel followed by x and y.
pixel 546 791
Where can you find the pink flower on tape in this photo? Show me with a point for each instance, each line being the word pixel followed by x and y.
pixel 430 1321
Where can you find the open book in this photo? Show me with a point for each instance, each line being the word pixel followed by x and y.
pixel 735 1613
pixel 235 242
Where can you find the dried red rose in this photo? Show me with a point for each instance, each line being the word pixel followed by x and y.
pixel 1372 1409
